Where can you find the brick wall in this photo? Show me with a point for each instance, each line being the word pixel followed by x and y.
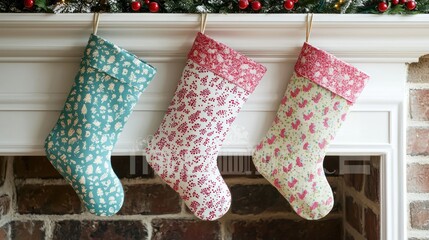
pixel 36 203
pixel 418 150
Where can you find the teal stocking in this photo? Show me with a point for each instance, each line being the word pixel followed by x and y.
pixel 103 95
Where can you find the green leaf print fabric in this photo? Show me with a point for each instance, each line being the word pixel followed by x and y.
pixel 102 97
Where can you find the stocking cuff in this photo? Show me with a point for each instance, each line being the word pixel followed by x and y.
pixel 226 62
pixel 118 63
pixel 330 72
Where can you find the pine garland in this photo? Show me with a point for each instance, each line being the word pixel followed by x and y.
pixel 212 6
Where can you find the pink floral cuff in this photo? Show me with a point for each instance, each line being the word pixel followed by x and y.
pixel 226 62
pixel 330 72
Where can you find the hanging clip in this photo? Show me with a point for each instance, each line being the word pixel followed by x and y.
pixel 308 26
pixel 95 22
pixel 203 22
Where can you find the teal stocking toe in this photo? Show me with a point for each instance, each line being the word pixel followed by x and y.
pixel 102 97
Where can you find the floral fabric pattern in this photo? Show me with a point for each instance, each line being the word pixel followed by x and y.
pixel 184 150
pixel 291 154
pixel 330 72
pixel 226 62
pixel 102 97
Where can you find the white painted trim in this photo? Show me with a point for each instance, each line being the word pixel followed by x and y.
pixel 150 101
pixel 364 37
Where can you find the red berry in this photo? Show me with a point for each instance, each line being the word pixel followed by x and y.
pixel 135 6
pixel 295 1
pixel 153 7
pixel 382 6
pixel 289 4
pixel 411 5
pixel 256 5
pixel 243 4
pixel 403 1
pixel 395 2
pixel 147 1
pixel 28 3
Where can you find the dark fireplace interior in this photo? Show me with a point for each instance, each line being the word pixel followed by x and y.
pixel 36 203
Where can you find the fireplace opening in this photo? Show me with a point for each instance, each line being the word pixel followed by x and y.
pixel 36 203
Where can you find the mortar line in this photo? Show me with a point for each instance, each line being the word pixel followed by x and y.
pixel 149 228
pixel 416 233
pixel 363 200
pixel 417 86
pixel 417 159
pixel 352 231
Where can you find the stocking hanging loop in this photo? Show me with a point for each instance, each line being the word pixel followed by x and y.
pixel 308 26
pixel 203 22
pixel 95 22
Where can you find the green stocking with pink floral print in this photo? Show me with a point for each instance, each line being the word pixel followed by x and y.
pixel 315 104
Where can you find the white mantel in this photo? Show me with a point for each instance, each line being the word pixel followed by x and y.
pixel 39 56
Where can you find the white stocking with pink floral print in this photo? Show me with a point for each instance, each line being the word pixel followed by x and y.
pixel 215 83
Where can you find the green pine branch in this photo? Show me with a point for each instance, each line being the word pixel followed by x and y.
pixel 213 6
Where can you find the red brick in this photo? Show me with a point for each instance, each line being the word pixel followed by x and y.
pixel 4 231
pixel 419 104
pixel 185 229
pixel 4 205
pixel 47 199
pixel 353 214
pixel 150 199
pixel 34 167
pixel 33 230
pixel 263 198
pixel 419 213
pixel 418 178
pixel 372 225
pixel 419 72
pixel 287 229
pixel 255 199
pixel 115 230
pixel 40 167
pixel 372 183
pixel 418 141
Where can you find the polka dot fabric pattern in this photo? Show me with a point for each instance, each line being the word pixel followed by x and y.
pixel 184 150
pixel 291 154
pixel 105 90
